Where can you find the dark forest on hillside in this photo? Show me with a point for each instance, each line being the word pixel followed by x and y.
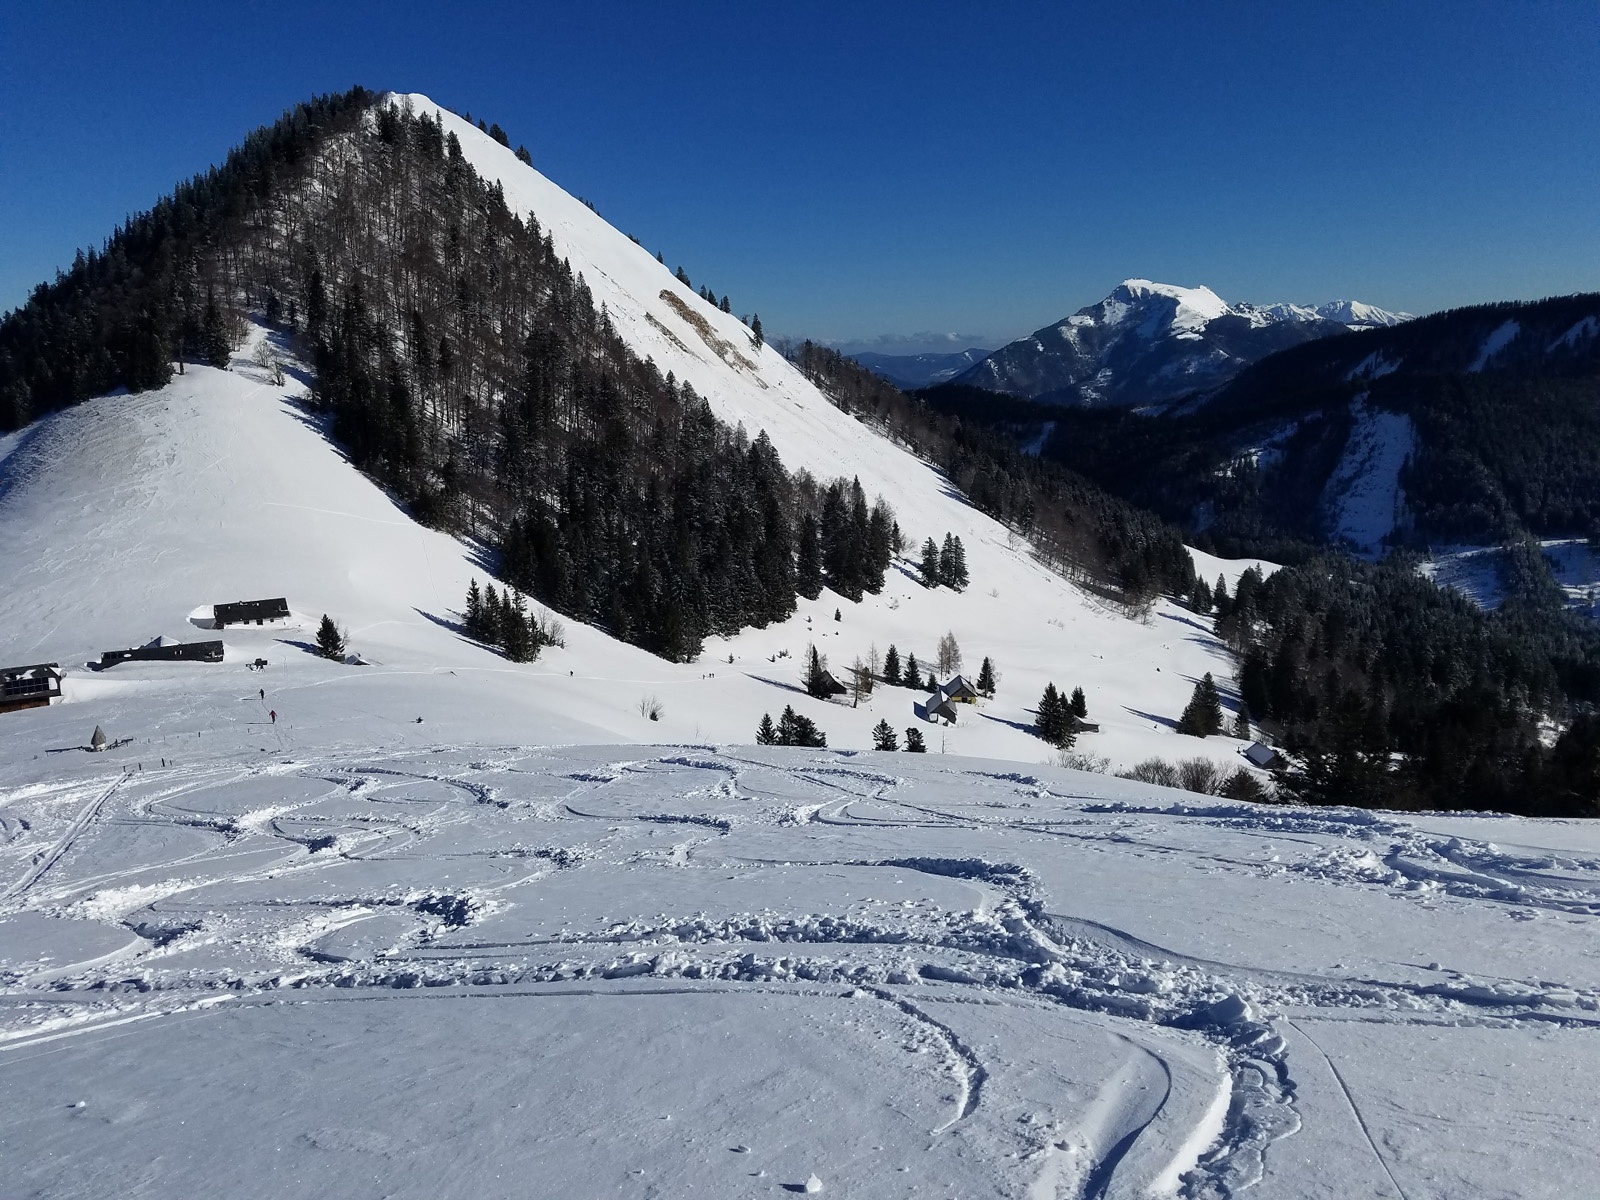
pixel 463 365
pixel 1078 528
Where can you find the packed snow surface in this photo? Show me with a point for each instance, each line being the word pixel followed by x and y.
pixel 476 970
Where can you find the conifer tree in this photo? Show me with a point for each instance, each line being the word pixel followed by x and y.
pixel 1202 716
pixel 986 677
pixel 912 676
pixel 891 667
pixel 957 575
pixel 914 742
pixel 492 623
pixel 1054 718
pixel 1219 598
pixel 330 642
pixel 766 735
pixel 816 680
pixel 931 575
pixel 474 613
pixel 1080 703
pixel 756 338
pixel 884 736
pixel 797 730
pixel 1241 723
pixel 808 567
pixel 214 338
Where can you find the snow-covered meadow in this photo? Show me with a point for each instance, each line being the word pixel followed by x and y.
pixel 679 971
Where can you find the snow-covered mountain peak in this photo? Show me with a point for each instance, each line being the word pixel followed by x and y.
pixel 1200 299
pixel 1147 343
pixel 1361 316
pixel 1160 306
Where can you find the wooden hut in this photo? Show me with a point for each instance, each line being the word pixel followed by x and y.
pixel 1262 755
pixel 960 691
pixel 935 707
pixel 162 650
pixel 245 612
pixel 831 686
pixel 29 687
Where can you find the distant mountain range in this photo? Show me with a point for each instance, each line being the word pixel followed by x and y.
pixel 1468 427
pixel 1148 344
pixel 920 370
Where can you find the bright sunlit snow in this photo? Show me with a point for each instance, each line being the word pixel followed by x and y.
pixel 444 925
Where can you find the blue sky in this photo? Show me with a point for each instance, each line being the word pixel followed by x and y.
pixel 853 171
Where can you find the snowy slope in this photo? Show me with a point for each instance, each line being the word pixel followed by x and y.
pixel 1364 500
pixel 129 516
pixel 350 952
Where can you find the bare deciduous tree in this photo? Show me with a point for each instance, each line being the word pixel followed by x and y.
pixel 949 659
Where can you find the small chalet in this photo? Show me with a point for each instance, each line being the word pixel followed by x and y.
pixel 1261 755
pixel 244 612
pixel 936 707
pixel 960 691
pixel 165 650
pixel 1079 725
pixel 831 686
pixel 29 687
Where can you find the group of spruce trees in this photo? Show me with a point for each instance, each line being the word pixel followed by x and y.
pixel 944 565
pixel 1056 719
pixel 504 621
pixel 1202 716
pixel 792 729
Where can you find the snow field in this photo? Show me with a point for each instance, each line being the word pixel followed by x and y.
pixel 679 968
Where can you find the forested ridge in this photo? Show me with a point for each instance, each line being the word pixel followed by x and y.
pixel 1080 529
pixel 1387 689
pixel 462 364
pixel 1504 399
pixel 1391 691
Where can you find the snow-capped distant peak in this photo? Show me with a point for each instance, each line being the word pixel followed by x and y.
pixel 1192 309
pixel 1360 316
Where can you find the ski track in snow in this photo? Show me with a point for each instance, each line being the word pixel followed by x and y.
pixel 943 890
